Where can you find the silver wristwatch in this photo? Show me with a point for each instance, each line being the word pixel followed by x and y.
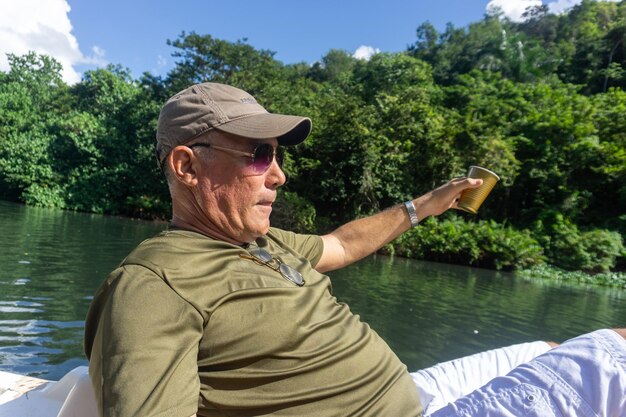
pixel 410 208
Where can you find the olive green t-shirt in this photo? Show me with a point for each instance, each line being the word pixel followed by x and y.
pixel 186 325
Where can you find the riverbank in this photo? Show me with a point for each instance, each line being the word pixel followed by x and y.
pixel 558 250
pixel 451 240
pixel 607 279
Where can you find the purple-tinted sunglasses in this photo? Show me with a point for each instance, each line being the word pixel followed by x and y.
pixel 262 156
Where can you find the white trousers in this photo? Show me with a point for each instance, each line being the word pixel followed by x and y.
pixel 583 377
pixel 447 381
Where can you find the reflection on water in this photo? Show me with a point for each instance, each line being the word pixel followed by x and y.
pixel 432 312
pixel 53 261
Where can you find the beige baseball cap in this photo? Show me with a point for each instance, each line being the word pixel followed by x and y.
pixel 207 106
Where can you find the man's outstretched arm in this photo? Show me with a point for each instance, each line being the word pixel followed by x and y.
pixel 359 238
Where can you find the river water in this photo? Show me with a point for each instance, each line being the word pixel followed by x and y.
pixel 53 261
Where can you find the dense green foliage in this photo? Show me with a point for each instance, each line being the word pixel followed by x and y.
pixel 542 103
pixel 485 244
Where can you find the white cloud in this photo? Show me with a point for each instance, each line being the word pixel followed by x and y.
pixel 161 61
pixel 365 52
pixel 161 64
pixel 560 6
pixel 513 9
pixel 98 55
pixel 42 26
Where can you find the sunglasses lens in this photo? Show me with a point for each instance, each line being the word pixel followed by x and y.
pixel 285 270
pixel 263 157
pixel 291 274
pixel 261 254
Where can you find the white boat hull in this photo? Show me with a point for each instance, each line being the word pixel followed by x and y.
pixel 23 396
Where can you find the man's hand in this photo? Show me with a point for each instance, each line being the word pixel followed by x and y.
pixel 443 198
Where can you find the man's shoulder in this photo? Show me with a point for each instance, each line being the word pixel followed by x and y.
pixel 173 248
pixel 278 234
pixel 307 245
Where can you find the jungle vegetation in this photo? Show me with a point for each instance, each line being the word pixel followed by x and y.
pixel 541 102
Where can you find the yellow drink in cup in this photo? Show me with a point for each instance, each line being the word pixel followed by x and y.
pixel 471 199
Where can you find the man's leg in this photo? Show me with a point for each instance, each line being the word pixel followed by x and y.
pixel 447 381
pixel 585 376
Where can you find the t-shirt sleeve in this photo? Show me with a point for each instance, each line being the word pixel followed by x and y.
pixel 309 246
pixel 144 355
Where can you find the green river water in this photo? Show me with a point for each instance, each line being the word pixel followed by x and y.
pixel 53 261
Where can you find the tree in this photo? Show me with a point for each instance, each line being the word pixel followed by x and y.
pixel 335 63
pixel 117 171
pixel 203 58
pixel 32 100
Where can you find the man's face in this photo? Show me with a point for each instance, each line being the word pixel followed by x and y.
pixel 235 201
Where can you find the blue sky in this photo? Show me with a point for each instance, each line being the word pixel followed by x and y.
pixel 135 34
pixel 84 34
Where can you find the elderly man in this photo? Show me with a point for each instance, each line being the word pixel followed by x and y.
pixel 222 315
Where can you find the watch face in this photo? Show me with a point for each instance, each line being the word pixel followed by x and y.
pixel 410 208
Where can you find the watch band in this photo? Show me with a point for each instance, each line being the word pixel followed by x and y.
pixel 410 208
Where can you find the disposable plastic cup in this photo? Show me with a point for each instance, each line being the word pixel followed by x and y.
pixel 471 199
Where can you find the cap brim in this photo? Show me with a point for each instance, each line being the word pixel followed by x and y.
pixel 289 130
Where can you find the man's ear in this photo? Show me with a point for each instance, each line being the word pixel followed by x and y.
pixel 184 165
